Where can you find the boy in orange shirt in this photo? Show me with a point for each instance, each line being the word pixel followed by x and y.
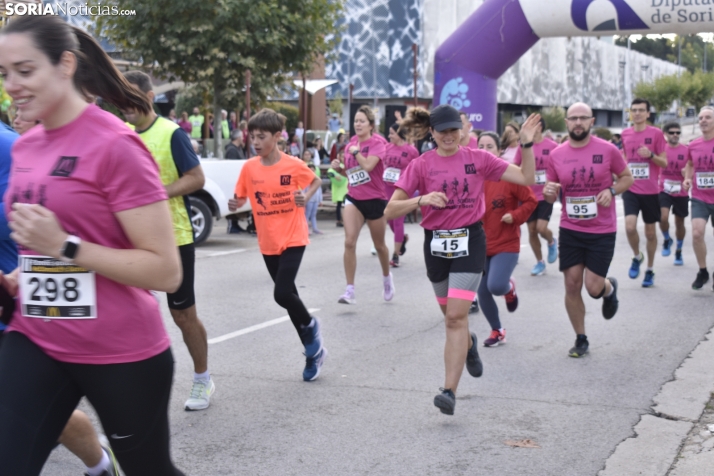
pixel 273 181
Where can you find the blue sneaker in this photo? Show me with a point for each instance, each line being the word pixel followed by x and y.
pixel 667 247
pixel 538 269
pixel 678 261
pixel 313 365
pixel 649 279
pixel 311 338
pixel 635 268
pixel 553 251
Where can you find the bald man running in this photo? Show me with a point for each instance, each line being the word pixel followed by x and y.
pixel 583 168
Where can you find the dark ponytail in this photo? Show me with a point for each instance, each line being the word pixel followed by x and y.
pixel 96 74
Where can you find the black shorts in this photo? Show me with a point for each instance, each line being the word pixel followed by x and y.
pixel 543 211
pixel 185 297
pixel 372 209
pixel 594 250
pixel 679 205
pixel 647 204
pixel 438 268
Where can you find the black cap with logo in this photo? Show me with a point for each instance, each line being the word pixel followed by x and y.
pixel 445 117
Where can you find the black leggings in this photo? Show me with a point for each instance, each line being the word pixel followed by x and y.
pixel 283 268
pixel 339 210
pixel 40 393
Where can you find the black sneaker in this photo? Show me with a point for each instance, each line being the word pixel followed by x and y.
pixel 581 346
pixel 702 279
pixel 445 401
pixel 403 248
pixel 610 304
pixel 474 307
pixel 473 361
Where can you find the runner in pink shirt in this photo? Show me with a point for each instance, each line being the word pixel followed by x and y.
pixel 538 221
pixel 399 153
pixel 365 200
pixel 644 150
pixel 672 194
pixel 90 215
pixel 582 168
pixel 699 178
pixel 451 180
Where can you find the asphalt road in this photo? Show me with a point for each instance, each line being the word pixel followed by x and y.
pixel 371 410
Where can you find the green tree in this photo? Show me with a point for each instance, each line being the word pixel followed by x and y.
pixel 697 89
pixel 554 118
pixel 693 57
pixel 662 92
pixel 211 43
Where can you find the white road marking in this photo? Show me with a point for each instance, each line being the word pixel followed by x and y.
pixel 254 328
pixel 223 253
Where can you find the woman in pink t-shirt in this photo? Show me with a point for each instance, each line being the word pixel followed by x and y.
pixel 90 216
pixel 398 155
pixel 451 180
pixel 365 200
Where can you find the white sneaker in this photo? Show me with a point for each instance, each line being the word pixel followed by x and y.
pixel 348 297
pixel 373 251
pixel 200 395
pixel 388 287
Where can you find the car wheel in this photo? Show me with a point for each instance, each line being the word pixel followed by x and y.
pixel 201 220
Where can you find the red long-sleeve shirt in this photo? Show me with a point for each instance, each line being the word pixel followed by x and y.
pixel 501 198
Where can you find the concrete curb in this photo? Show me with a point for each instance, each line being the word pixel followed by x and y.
pixel 679 404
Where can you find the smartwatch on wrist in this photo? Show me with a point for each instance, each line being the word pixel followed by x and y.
pixel 527 145
pixel 612 191
pixel 70 248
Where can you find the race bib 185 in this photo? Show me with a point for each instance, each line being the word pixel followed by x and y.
pixel 640 170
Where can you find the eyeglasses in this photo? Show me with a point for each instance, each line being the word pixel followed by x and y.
pixel 578 118
pixel 674 133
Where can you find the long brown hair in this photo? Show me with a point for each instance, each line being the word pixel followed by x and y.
pixel 416 124
pixel 96 74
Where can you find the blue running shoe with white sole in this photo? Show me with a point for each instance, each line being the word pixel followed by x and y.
pixel 635 267
pixel 667 247
pixel 313 365
pixel 553 251
pixel 538 269
pixel 311 338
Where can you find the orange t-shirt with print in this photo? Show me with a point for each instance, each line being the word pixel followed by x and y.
pixel 279 222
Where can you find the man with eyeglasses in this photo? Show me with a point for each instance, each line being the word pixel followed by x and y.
pixel 588 222
pixel 672 195
pixel 699 176
pixel 644 149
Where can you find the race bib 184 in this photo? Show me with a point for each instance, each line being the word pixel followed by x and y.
pixel 581 208
pixel 54 289
pixel 705 180
pixel 450 243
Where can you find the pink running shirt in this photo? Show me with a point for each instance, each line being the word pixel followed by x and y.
pixel 701 153
pixel 542 152
pixel 583 173
pixel 644 171
pixel 461 177
pixel 473 142
pixel 85 172
pixel 363 185
pixel 396 159
pixel 670 178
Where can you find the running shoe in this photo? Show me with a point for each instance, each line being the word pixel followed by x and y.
pixel 445 401
pixel 496 337
pixel 388 293
pixel 538 269
pixel 339 224
pixel 635 268
pixel 678 261
pixel 473 361
pixel 702 279
pixel 610 304
pixel 403 249
pixel 553 251
pixel 394 263
pixel 667 247
pixel 649 279
pixel 313 365
pixel 373 251
pixel 201 393
pixel 512 298
pixel 349 296
pixel 474 307
pixel 581 346
pixel 311 338
pixel 113 469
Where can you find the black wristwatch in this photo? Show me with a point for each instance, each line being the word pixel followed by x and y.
pixel 612 191
pixel 527 145
pixel 70 248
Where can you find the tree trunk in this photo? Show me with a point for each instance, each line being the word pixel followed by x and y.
pixel 217 126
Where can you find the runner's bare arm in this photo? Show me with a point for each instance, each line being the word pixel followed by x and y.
pixel 153 263
pixel 337 167
pixel 550 191
pixel 189 182
pixel 688 173
pixel 400 204
pixel 660 160
pixel 235 203
pixel 624 181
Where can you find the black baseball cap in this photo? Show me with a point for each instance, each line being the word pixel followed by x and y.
pixel 445 117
